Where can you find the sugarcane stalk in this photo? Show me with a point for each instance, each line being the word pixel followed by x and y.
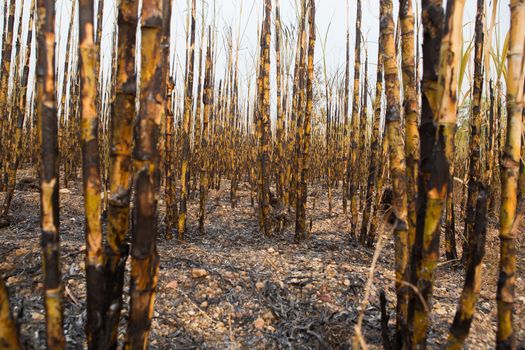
pixel 185 137
pixel 442 159
pixel 509 167
pixel 120 171
pixel 146 181
pixel 49 180
pixel 397 167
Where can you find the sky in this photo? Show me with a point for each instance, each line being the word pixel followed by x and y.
pixel 333 17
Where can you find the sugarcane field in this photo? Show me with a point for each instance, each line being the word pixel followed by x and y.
pixel 262 174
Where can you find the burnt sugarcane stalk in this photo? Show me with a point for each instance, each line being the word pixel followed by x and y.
pixel 355 133
pixel 365 235
pixel 120 172
pixel 144 255
pixel 67 140
pixel 510 163
pixel 442 159
pixel 469 296
pixel 433 19
pixel 300 212
pixel 346 126
pixel 475 169
pixel 7 47
pixel 49 180
pixel 208 104
pixel 172 211
pixel 91 178
pixel 8 330
pixel 411 111
pixel 397 166
pixel 21 110
pixel 186 132
pixel 305 141
pixel 280 131
pixel 265 222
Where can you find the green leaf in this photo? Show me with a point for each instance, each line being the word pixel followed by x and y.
pixel 464 60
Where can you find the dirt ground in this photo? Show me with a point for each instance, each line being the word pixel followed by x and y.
pixel 232 288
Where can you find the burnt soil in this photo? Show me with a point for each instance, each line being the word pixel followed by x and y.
pixel 232 288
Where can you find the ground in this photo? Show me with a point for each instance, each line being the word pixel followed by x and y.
pixel 232 288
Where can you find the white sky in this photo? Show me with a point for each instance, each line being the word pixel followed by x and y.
pixel 244 17
pixel 332 20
